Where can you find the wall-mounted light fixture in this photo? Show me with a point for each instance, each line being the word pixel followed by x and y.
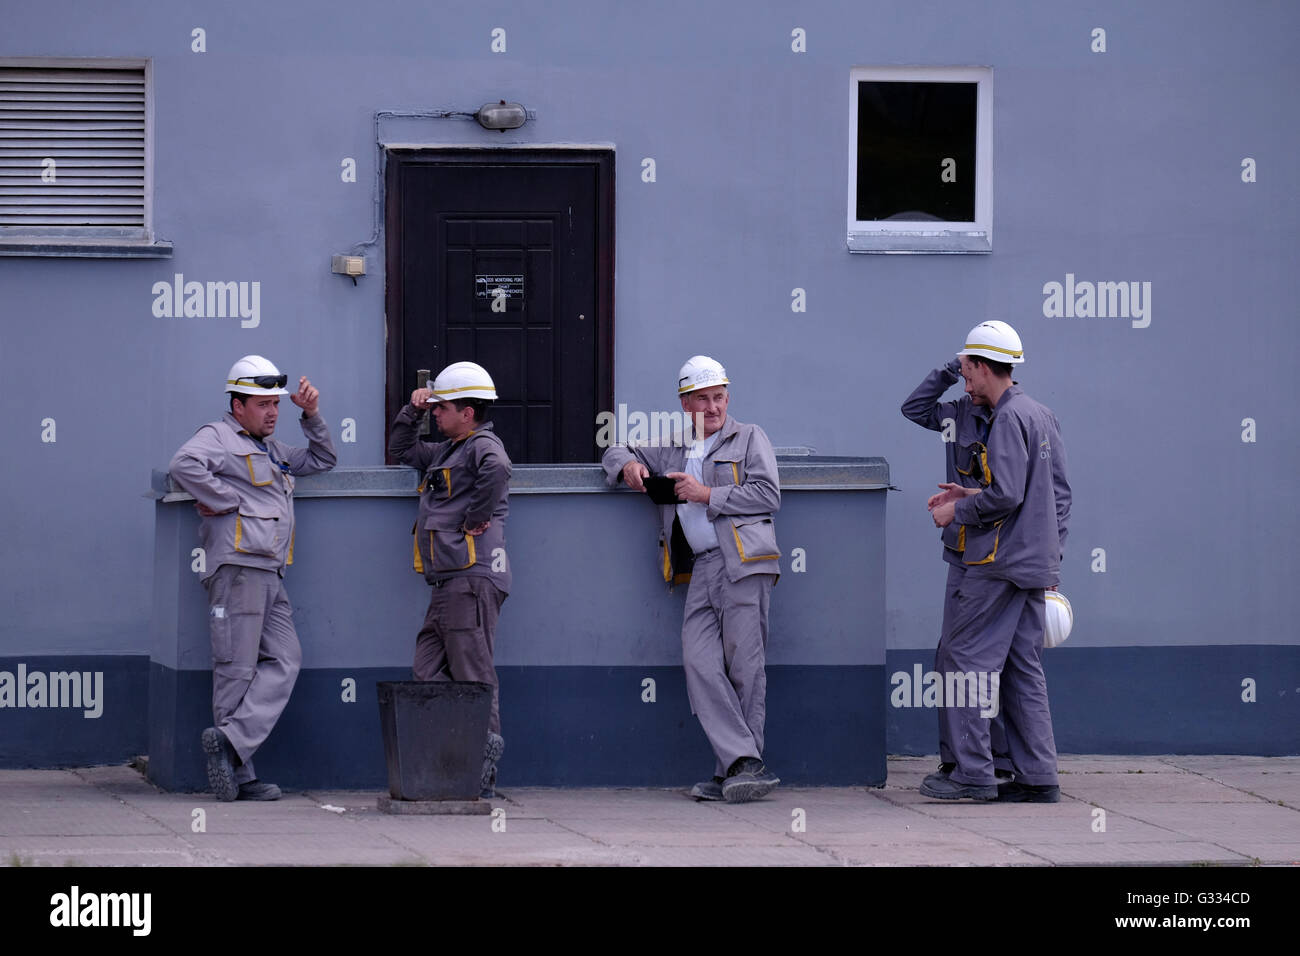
pixel 501 116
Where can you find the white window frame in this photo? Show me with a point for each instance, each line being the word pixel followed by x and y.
pixel 95 241
pixel 927 236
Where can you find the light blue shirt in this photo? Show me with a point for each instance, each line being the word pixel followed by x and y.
pixel 694 515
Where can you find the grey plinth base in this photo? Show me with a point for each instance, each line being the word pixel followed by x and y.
pixel 456 807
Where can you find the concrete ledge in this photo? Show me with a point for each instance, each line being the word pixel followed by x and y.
pixel 797 473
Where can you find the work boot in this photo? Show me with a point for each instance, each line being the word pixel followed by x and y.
pixel 708 790
pixel 1003 776
pixel 748 780
pixel 938 776
pixel 257 790
pixel 492 751
pixel 1028 793
pixel 940 787
pixel 222 761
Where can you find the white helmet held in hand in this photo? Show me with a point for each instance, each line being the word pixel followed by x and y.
pixel 995 341
pixel 462 380
pixel 1060 619
pixel 254 375
pixel 700 371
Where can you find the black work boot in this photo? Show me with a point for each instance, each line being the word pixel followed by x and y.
pixel 747 780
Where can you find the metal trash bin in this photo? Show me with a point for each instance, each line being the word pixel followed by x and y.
pixel 434 734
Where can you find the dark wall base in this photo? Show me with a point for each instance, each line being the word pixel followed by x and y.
pixel 564 727
pixel 587 726
pixel 65 736
pixel 1144 700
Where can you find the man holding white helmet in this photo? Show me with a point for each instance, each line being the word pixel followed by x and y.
pixel 722 539
pixel 1006 526
pixel 460 535
pixel 242 480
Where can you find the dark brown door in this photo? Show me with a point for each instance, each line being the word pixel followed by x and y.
pixel 505 258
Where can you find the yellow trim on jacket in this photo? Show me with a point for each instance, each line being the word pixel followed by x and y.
pixel 253 478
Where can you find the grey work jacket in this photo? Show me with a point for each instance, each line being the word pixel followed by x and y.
pixel 1015 528
pixel 965 455
pixel 463 484
pixel 745 494
pixel 226 470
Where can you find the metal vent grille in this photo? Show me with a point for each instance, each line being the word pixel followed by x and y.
pixel 72 150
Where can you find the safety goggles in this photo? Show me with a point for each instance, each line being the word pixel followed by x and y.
pixel 262 381
pixel 979 464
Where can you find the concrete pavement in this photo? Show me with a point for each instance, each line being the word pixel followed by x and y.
pixel 1115 810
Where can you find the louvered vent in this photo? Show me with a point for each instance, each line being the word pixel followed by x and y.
pixel 91 124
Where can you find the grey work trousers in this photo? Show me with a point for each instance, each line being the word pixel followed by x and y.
pixel 724 653
pixel 997 628
pixel 459 630
pixel 255 657
pixel 997 733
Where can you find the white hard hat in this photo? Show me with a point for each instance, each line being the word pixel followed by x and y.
pixel 995 341
pixel 700 371
pixel 254 375
pixel 463 380
pixel 1060 619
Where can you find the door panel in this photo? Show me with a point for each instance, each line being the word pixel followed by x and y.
pixel 506 260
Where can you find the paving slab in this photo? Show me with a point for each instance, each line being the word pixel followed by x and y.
pixel 959 855
pixel 1273 787
pixel 931 837
pixel 1215 810
pixel 790 855
pixel 1135 854
pixel 1104 763
pixel 101 850
pixel 1157 787
pixel 1269 852
pixel 1076 829
pixel 947 809
pixel 79 818
pixel 1209 764
pixel 356 849
pixel 1226 824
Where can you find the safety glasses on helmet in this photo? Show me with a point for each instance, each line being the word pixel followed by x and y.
pixel 263 381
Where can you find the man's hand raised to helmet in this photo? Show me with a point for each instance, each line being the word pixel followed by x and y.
pixel 307 397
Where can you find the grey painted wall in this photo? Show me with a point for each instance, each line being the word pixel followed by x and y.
pixel 1123 165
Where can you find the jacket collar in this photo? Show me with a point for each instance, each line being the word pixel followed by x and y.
pixel 238 429
pixel 485 427
pixel 729 428
pixel 1012 390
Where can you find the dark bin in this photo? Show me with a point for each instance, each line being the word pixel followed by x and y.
pixel 434 734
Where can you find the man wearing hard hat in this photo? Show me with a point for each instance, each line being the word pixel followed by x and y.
pixel 721 538
pixel 242 480
pixel 460 535
pixel 1007 528
pixel 964 425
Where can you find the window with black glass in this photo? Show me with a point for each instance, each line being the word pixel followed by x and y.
pixel 916 151
pixel 920 151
